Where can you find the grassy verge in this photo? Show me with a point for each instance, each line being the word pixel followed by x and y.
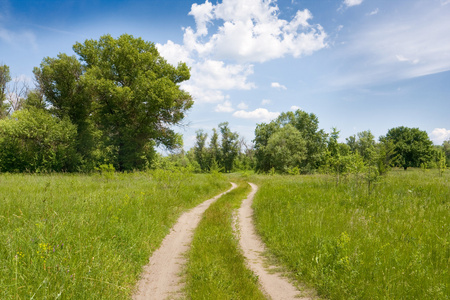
pixel 87 237
pixel 392 244
pixel 216 267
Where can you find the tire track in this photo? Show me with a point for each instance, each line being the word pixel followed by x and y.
pixel 273 284
pixel 160 279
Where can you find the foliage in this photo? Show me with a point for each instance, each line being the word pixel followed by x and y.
pixel 286 149
pixel 200 151
pixel 216 267
pixel 35 141
pixel 411 145
pixel 363 143
pixel 84 237
pixel 307 125
pixel 62 83
pixel 229 146
pixel 121 95
pixel 5 77
pixel 392 244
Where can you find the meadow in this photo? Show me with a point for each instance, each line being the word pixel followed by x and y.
pixel 391 243
pixel 65 236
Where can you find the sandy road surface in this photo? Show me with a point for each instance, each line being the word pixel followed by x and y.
pixel 160 279
pixel 273 284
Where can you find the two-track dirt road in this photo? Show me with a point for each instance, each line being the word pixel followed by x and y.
pixel 161 277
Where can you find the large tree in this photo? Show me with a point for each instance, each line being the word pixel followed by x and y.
pixel 125 89
pixel 286 149
pixel 412 146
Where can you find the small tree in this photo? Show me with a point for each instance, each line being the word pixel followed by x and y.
pixel 4 79
pixel 200 150
pixel 230 146
pixel 442 163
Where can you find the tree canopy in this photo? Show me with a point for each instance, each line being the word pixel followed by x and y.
pixel 122 96
pixel 313 139
pixel 412 146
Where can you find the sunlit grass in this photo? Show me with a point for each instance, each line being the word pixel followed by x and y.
pixel 391 244
pixel 216 267
pixel 87 237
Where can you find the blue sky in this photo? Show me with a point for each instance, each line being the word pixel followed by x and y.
pixel 357 64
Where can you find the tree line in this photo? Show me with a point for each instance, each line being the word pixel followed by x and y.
pixel 117 100
pixel 294 144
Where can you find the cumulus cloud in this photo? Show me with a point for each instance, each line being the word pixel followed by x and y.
pixel 251 31
pixel 174 53
pixel 242 105
pixel 295 107
pixel 439 135
pixel 277 85
pixel 238 32
pixel 265 102
pixel 259 114
pixel 349 3
pixel 214 74
pixel 224 107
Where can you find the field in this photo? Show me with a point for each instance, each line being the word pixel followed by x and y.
pixel 393 243
pixel 87 237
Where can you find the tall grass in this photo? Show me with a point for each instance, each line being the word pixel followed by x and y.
pixel 391 244
pixel 216 267
pixel 87 237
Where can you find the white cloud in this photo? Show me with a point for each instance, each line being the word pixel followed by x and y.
pixel 174 53
pixel 239 32
pixel 349 3
pixel 18 39
pixel 224 107
pixel 374 12
pixel 204 95
pixel 295 107
pixel 278 86
pixel 401 58
pixel 251 31
pixel 260 114
pixel 213 74
pixel 410 34
pixel 439 135
pixel 242 105
pixel 265 102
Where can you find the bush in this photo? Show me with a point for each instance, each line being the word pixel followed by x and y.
pixel 35 141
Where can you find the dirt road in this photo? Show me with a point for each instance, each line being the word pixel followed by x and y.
pixel 160 279
pixel 273 284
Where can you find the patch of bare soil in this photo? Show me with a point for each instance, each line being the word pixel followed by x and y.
pixel 160 279
pixel 273 284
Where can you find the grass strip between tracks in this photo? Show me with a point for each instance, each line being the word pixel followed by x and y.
pixel 216 266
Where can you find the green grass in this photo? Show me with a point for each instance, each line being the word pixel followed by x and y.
pixel 216 268
pixel 87 237
pixel 392 244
